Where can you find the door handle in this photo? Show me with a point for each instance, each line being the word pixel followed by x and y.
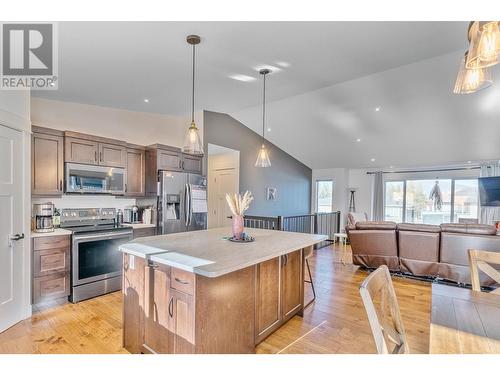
pixel 171 307
pixel 17 237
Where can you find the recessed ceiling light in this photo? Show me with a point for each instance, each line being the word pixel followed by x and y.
pixel 372 159
pixel 391 166
pixel 358 139
pixel 268 129
pixel 468 161
pixel 283 64
pixel 242 77
pixel 146 100
pixel 377 109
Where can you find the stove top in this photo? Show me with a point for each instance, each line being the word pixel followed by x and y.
pixel 91 220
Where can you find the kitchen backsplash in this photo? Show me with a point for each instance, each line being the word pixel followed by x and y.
pixel 91 201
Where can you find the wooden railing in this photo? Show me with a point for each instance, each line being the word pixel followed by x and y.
pixel 320 223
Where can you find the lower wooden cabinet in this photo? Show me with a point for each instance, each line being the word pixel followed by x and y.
pixel 182 321
pixel 158 335
pixel 279 292
pixel 168 310
pixel 292 285
pixel 51 268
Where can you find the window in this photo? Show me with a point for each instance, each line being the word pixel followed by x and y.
pixel 466 201
pixel 431 201
pixel 324 196
pixel 394 199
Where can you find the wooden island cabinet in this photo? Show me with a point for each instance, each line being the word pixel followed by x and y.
pixel 208 309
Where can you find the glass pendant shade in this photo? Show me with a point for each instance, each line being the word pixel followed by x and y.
pixel 192 142
pixel 484 44
pixel 263 158
pixel 471 80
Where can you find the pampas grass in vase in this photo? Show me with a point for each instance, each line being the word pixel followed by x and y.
pixel 238 204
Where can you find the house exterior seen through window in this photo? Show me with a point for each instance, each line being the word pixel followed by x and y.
pixel 431 201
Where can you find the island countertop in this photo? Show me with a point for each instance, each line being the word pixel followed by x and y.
pixel 207 253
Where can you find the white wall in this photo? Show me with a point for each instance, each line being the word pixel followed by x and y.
pixel 15 113
pixel 343 179
pixel 134 127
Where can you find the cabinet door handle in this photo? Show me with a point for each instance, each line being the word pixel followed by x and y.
pixel 125 188
pixel 180 164
pixel 60 185
pixel 181 281
pixel 171 307
pixel 95 156
pixel 100 156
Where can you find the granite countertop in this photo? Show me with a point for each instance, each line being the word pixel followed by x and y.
pixel 56 232
pixel 207 253
pixel 139 225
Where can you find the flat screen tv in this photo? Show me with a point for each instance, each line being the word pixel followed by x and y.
pixel 489 191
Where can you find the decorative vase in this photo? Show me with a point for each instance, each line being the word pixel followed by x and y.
pixel 238 226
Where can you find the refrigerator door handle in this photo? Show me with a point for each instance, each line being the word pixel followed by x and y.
pixel 187 204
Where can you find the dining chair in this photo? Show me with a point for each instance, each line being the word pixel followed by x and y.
pixel 480 260
pixel 381 304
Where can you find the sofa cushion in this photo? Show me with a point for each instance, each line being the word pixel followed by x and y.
pixel 375 225
pixel 482 229
pixel 419 227
pixel 455 246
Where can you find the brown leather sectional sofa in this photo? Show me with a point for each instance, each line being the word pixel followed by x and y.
pixel 421 249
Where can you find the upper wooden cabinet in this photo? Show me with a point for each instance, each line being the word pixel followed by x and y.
pixel 88 149
pixel 79 150
pixel 112 155
pixel 47 171
pixel 192 164
pixel 136 164
pixel 167 158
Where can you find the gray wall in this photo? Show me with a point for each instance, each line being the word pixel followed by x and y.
pixel 291 178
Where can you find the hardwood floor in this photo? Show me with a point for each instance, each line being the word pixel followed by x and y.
pixel 335 323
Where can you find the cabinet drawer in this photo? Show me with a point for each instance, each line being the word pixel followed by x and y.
pixel 50 287
pixel 52 242
pixel 182 281
pixel 47 262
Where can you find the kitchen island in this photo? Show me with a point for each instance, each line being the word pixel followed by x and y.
pixel 196 292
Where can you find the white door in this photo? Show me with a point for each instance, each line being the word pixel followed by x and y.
pixel 225 181
pixel 11 224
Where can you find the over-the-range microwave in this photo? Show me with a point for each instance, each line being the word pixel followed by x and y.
pixel 94 179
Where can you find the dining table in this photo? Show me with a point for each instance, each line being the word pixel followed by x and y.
pixel 464 321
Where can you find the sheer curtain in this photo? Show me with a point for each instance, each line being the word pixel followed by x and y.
pixel 488 215
pixel 378 196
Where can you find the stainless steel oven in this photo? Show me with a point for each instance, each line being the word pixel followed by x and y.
pixel 96 262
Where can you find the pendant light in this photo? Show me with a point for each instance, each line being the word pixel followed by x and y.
pixel 484 47
pixel 263 157
pixel 471 80
pixel 192 143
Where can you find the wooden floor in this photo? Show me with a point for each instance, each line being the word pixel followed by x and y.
pixel 335 323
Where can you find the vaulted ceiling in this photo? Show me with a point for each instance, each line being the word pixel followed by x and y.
pixel 331 77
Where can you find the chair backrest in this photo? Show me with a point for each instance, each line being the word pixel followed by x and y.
pixel 383 312
pixel 480 261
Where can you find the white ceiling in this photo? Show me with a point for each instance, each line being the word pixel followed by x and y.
pixel 337 73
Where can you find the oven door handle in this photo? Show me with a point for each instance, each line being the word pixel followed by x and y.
pixel 103 236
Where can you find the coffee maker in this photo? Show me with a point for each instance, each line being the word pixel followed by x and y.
pixel 42 217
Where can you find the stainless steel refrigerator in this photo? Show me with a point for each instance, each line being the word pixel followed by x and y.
pixel 182 202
